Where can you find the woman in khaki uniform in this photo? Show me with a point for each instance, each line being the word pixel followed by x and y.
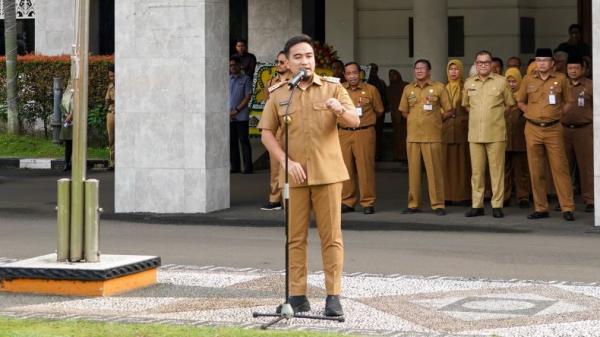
pixel 516 173
pixel 455 148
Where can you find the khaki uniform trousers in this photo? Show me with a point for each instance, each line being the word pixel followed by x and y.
pixel 325 201
pixel 110 128
pixel 457 171
pixel 548 143
pixel 275 194
pixel 358 150
pixel 481 154
pixel 579 147
pixel 431 154
pixel 516 176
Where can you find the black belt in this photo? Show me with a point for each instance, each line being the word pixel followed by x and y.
pixel 355 129
pixel 576 126
pixel 543 124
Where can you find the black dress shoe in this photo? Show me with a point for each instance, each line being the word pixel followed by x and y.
pixel 497 213
pixel 568 216
pixel 298 303
pixel 439 211
pixel 474 212
pixel 411 211
pixel 538 215
pixel 589 208
pixel 369 210
pixel 523 203
pixel 333 307
pixel 347 209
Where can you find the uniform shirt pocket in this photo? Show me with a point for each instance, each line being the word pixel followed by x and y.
pixel 533 93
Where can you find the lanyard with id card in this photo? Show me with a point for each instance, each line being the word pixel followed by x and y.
pixel 552 96
pixel 428 106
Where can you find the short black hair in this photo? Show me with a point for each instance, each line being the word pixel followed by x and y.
pixel 575 26
pixel 236 59
pixel 242 40
pixel 281 52
pixel 296 40
pixel 111 67
pixel 484 52
pixel 499 60
pixel 423 61
pixel 352 63
pixel 514 58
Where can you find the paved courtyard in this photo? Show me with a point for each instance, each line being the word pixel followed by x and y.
pixel 375 304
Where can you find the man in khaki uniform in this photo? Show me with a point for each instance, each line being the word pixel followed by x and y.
pixel 110 115
pixel 282 74
pixel 358 144
pixel 578 132
pixel 487 97
pixel 425 104
pixel 544 96
pixel 316 167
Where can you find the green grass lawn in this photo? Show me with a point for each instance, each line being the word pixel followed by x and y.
pixel 38 147
pixel 43 328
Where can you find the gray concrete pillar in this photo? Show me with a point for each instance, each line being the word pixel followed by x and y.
pixel 271 24
pixel 430 34
pixel 596 63
pixel 54 27
pixel 172 126
pixel 340 27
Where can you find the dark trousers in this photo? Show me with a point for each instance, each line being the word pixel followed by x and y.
pixel 238 134
pixel 68 151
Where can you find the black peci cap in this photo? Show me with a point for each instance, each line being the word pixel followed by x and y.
pixel 544 52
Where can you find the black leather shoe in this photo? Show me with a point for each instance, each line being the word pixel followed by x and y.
pixel 333 307
pixel 439 211
pixel 523 203
pixel 298 303
pixel 369 210
pixel 568 216
pixel 411 211
pixel 347 209
pixel 538 215
pixel 589 208
pixel 497 213
pixel 474 212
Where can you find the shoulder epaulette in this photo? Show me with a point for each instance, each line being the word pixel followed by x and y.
pixel 331 79
pixel 275 86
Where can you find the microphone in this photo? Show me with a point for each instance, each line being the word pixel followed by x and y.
pixel 301 75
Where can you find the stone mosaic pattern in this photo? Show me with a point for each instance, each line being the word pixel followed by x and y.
pixel 389 305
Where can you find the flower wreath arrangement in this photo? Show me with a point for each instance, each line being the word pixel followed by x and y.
pixel 324 55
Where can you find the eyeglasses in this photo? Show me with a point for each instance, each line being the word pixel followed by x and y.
pixel 483 63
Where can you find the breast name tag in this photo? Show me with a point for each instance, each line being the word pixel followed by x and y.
pixel 427 107
pixel 581 101
pixel 552 99
pixel 359 111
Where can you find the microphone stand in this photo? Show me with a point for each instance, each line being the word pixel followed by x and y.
pixel 287 312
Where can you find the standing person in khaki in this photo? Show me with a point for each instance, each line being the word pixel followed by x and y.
pixel 316 167
pixel 282 74
pixel 544 96
pixel 578 132
pixel 109 99
pixel 455 148
pixel 487 97
pixel 358 144
pixel 516 172
pixel 425 104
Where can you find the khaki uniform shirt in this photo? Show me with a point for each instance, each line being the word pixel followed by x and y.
pixel 366 97
pixel 535 92
pixel 424 126
pixel 455 129
pixel 109 98
pixel 313 134
pixel 278 78
pixel 487 101
pixel 581 93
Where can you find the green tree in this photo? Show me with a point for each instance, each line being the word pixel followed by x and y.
pixel 10 41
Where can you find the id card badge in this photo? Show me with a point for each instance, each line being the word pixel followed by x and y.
pixel 552 99
pixel 359 111
pixel 580 101
pixel 427 107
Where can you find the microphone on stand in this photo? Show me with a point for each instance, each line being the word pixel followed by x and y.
pixel 301 75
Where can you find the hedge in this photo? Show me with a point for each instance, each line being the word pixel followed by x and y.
pixel 35 82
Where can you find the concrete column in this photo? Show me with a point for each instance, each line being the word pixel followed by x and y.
pixel 172 126
pixel 340 27
pixel 271 24
pixel 596 62
pixel 54 27
pixel 430 34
